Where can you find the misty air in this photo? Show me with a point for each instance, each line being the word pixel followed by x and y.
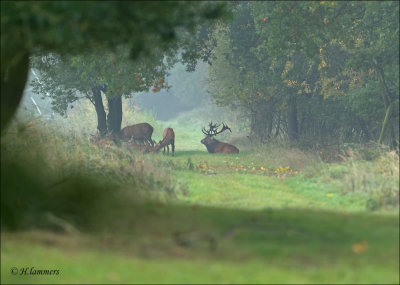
pixel 198 142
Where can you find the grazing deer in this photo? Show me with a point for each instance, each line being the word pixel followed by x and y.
pixel 140 132
pixel 142 148
pixel 215 146
pixel 168 139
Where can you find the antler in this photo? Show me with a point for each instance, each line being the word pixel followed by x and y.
pixel 205 132
pixel 224 127
pixel 212 131
pixel 213 127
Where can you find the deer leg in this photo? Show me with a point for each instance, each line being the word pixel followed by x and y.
pixel 167 149
pixel 173 148
pixel 164 150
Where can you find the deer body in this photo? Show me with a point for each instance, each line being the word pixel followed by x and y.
pixel 141 148
pixel 139 132
pixel 215 146
pixel 168 139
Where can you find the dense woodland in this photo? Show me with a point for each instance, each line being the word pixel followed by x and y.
pixel 323 71
pixel 311 73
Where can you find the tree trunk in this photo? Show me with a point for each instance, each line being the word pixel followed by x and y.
pixel 387 101
pixel 259 122
pixel 101 114
pixel 270 119
pixel 114 117
pixel 293 131
pixel 13 79
pixel 385 123
pixel 278 124
pixel 253 126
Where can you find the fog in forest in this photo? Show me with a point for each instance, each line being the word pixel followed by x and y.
pixel 200 142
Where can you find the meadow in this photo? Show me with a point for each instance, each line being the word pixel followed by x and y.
pixel 273 213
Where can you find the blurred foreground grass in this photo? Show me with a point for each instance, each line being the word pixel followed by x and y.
pixel 175 244
pixel 101 213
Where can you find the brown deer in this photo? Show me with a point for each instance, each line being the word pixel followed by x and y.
pixel 168 139
pixel 215 146
pixel 140 132
pixel 142 148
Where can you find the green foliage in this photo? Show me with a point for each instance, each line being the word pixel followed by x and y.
pixel 66 26
pixel 70 27
pixel 68 78
pixel 330 81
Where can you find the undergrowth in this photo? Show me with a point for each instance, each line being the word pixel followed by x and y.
pixel 373 172
pixel 46 172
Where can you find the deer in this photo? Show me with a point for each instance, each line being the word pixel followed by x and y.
pixel 140 132
pixel 168 139
pixel 215 146
pixel 142 148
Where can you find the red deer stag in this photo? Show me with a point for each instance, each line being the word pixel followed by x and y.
pixel 215 146
pixel 168 139
pixel 140 132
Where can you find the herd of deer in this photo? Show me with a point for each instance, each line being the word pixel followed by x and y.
pixel 140 136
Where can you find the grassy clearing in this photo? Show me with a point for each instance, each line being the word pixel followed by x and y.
pixel 267 215
pixel 272 176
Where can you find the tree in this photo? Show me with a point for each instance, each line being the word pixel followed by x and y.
pixel 307 67
pixel 290 33
pixel 241 78
pixel 70 27
pixel 335 61
pixel 373 44
pixel 68 78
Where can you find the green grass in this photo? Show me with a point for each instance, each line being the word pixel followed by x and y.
pixel 250 181
pixel 250 191
pixel 269 214
pixel 270 246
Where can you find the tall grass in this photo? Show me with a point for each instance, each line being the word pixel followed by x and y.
pixel 279 154
pixel 67 176
pixel 361 173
